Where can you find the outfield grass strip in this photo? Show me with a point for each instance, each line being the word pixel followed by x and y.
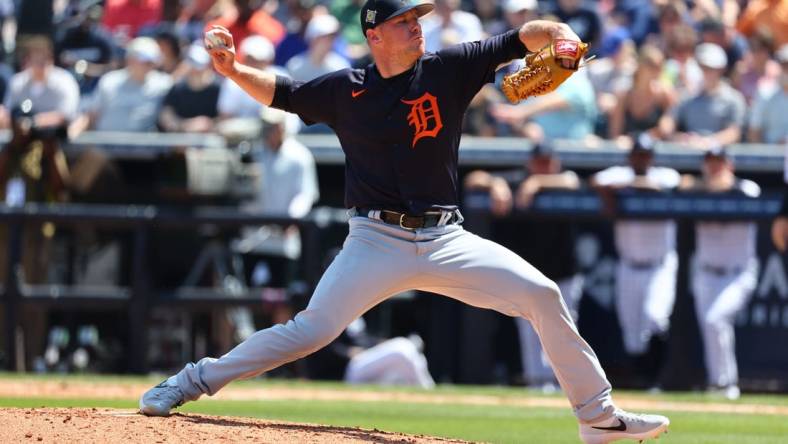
pixel 101 390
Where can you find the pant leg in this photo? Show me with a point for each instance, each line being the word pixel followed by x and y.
pixel 630 292
pixel 704 288
pixel 536 366
pixel 660 296
pixel 484 274
pixel 372 266
pixel 723 297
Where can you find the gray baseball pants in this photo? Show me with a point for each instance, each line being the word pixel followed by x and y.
pixel 378 261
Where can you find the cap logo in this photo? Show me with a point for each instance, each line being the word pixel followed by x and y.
pixel 371 16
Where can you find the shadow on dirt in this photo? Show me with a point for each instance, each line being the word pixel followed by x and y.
pixel 376 436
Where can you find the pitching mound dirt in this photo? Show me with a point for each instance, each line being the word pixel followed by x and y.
pixel 110 425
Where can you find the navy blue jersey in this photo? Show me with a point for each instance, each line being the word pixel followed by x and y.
pixel 401 135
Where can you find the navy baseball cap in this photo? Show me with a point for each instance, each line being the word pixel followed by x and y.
pixel 375 12
pixel 543 149
pixel 717 151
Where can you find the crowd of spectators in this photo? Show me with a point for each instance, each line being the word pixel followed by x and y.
pixel 700 73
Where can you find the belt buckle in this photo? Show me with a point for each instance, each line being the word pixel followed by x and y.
pixel 401 219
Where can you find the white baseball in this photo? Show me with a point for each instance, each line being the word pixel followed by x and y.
pixel 214 40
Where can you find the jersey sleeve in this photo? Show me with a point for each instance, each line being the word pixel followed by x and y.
pixel 669 178
pixel 313 101
pixel 614 175
pixel 474 63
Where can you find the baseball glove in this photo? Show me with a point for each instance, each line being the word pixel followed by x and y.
pixel 544 70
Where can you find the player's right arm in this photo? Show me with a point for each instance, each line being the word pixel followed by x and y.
pixel 258 84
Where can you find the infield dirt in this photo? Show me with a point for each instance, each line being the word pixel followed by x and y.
pixel 112 425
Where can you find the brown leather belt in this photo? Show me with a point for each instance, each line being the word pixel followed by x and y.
pixel 721 270
pixel 642 265
pixel 411 222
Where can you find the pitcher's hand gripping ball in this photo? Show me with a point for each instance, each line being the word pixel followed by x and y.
pixel 544 70
pixel 214 40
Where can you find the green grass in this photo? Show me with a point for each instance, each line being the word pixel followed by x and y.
pixel 489 423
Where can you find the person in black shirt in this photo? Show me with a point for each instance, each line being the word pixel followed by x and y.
pixel 192 105
pixel 84 48
pixel 399 122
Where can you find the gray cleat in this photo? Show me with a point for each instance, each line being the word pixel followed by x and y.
pixel 159 400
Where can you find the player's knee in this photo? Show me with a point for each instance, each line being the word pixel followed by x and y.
pixel 545 296
pixel 548 293
pixel 316 329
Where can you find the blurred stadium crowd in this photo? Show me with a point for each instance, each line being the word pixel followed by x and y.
pixel 702 73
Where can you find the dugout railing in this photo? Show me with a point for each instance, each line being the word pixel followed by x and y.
pixel 138 297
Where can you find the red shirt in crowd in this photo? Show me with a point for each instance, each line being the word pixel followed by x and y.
pixel 128 16
pixel 260 23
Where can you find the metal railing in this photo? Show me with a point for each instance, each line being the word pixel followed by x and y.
pixel 138 297
pixel 474 151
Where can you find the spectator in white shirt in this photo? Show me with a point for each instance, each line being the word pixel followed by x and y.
pixel 320 58
pixel 769 119
pixel 53 90
pixel 449 25
pixel 129 99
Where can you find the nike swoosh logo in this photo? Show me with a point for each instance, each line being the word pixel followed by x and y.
pixel 618 428
pixel 355 93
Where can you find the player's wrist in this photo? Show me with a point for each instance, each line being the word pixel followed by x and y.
pixel 234 71
pixel 562 31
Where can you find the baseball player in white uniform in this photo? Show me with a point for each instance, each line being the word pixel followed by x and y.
pixel 399 123
pixel 648 262
pixel 393 361
pixel 724 271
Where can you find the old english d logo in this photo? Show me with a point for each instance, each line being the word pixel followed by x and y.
pixel 424 116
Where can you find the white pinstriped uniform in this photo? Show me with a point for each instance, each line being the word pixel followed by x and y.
pixel 724 275
pixel 646 272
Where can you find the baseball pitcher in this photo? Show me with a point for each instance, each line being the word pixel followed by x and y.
pixel 399 123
